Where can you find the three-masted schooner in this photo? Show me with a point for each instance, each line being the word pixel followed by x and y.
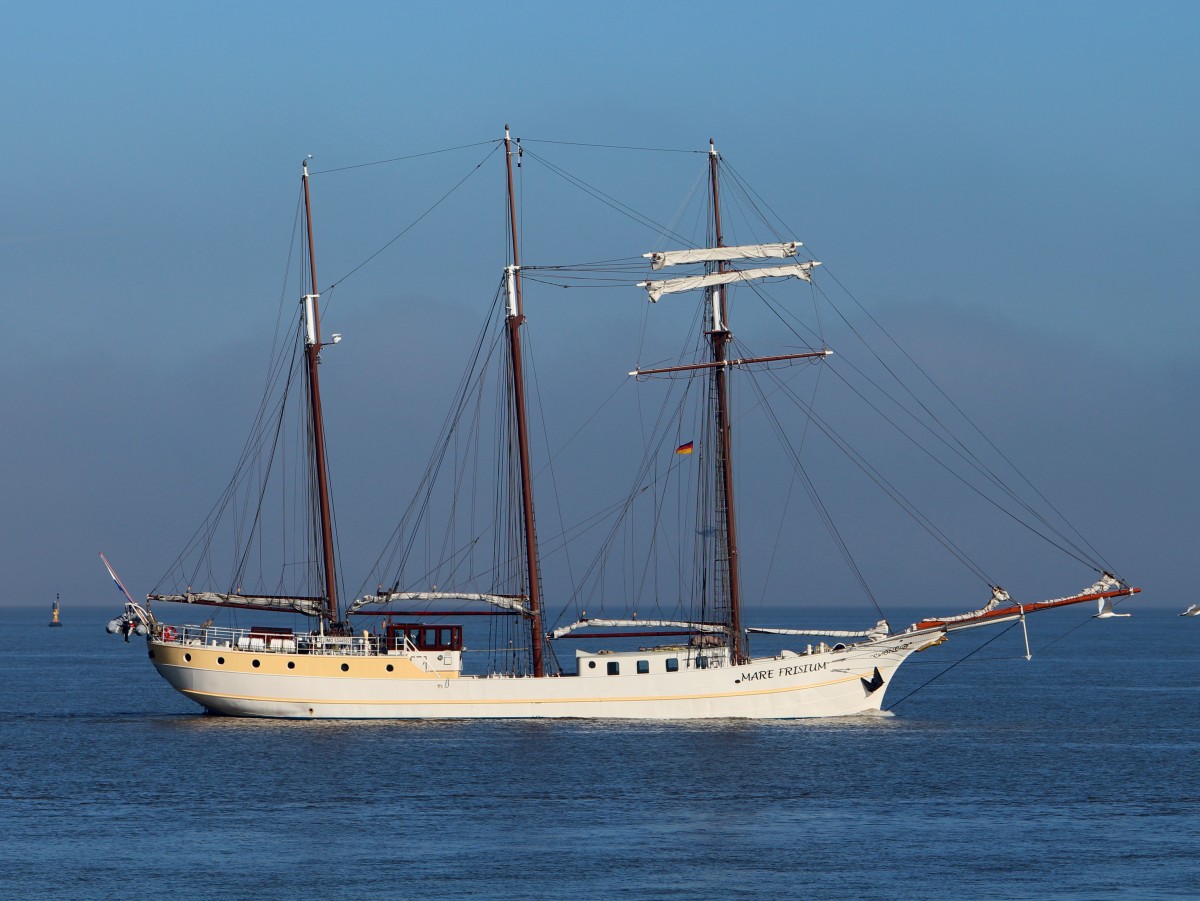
pixel 412 666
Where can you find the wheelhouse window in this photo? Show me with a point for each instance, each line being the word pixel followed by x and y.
pixel 425 637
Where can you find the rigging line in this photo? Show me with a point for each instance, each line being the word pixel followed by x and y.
pixel 947 438
pixel 397 159
pixel 659 505
pixel 888 488
pixel 1104 564
pixel 607 199
pixel 472 375
pixel 552 456
pixel 614 268
pixel 239 571
pixel 614 146
pixel 532 366
pixel 957 447
pixel 819 504
pixel 201 540
pixel 1076 628
pixel 1073 551
pixel 788 499
pixel 472 385
pixel 415 222
pixel 925 684
pixel 634 263
pixel 620 285
pixel 754 199
pixel 284 283
pixel 596 567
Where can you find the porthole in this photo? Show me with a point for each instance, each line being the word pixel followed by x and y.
pixel 187 657
pixel 591 664
pixel 390 668
pixel 291 664
pixel 220 661
pixel 255 664
pixel 345 667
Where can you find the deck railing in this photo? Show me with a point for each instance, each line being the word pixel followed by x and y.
pixel 272 642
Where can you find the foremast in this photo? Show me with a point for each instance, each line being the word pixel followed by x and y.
pixel 717 274
pixel 514 319
pixel 727 570
pixel 312 352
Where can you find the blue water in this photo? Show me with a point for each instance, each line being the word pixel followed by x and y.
pixel 1076 775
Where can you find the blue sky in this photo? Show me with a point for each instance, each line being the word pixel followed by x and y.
pixel 1012 184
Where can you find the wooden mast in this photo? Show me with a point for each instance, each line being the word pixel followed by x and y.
pixel 514 320
pixel 719 338
pixel 312 351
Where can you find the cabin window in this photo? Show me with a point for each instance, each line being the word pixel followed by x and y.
pixel 643 666
pixel 672 664
pixel 614 668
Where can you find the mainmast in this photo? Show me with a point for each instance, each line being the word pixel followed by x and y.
pixel 514 320
pixel 719 337
pixel 312 351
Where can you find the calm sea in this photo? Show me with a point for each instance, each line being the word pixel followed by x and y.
pixel 1076 775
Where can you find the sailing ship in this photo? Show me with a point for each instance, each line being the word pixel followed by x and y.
pixel 411 663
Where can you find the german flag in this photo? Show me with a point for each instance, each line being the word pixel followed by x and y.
pixel 686 448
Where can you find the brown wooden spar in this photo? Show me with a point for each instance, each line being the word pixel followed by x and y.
pixel 1016 611
pixel 727 363
pixel 312 351
pixel 719 337
pixel 514 321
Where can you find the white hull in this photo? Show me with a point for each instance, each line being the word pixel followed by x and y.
pixel 236 682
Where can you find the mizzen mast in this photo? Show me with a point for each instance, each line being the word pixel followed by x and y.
pixel 312 352
pixel 514 320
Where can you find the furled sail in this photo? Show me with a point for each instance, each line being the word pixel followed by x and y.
pixel 881 630
pixel 503 601
pixel 306 606
pixel 620 623
pixel 999 596
pixel 692 282
pixel 718 254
